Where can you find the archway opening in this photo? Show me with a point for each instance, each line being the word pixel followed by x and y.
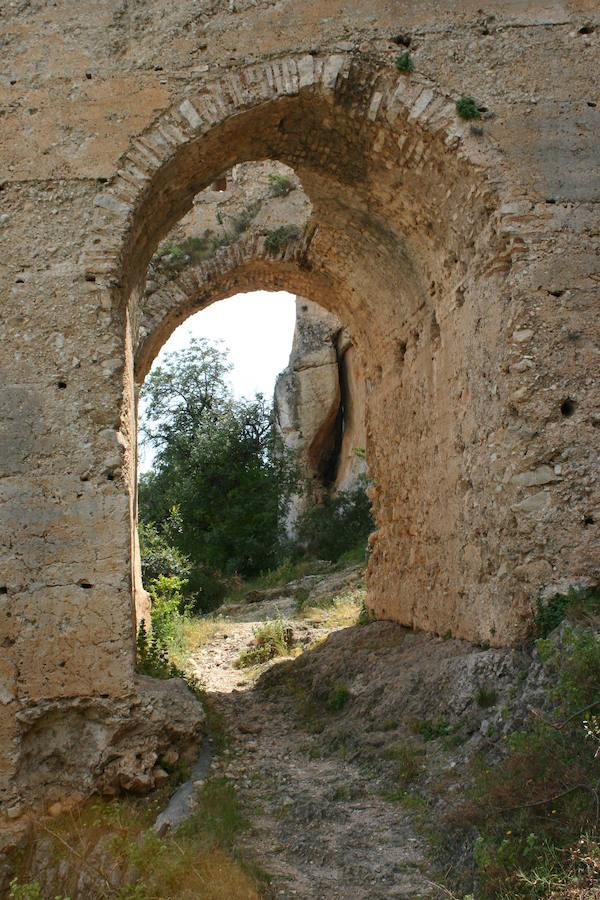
pixel 252 478
pixel 312 422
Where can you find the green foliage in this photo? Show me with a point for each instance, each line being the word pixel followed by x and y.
pixel 355 556
pixel 220 464
pixel 486 698
pixel 277 240
pixel 338 696
pixel 271 639
pixel 541 801
pixel 575 666
pixel 29 891
pixel 199 859
pixel 218 819
pixel 279 185
pixel 159 555
pixel 336 525
pixel 409 762
pixel 175 255
pixel 467 108
pixel 288 570
pixel 404 62
pixel 241 222
pixel 168 605
pixel 366 615
pixel 577 603
pixel 431 730
pixel 152 656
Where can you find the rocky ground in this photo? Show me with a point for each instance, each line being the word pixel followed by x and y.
pixel 347 754
pixel 352 756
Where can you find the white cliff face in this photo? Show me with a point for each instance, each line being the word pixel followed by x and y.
pixel 320 403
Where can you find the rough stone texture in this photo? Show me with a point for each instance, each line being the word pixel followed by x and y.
pixel 320 406
pixel 72 747
pixel 463 262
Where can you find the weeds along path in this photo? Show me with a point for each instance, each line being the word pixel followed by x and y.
pixel 319 823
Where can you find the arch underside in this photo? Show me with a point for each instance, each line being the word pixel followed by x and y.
pixel 405 248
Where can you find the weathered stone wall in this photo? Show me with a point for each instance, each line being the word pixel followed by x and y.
pixel 463 261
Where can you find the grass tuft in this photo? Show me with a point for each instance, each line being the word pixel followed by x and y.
pixel 271 639
pixel 277 240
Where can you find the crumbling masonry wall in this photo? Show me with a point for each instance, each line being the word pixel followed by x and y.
pixel 463 261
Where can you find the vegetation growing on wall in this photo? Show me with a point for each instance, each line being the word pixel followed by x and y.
pixel 537 812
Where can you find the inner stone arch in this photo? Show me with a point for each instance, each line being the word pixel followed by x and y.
pixel 407 245
pixel 397 216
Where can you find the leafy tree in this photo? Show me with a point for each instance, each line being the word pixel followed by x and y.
pixel 159 556
pixel 186 393
pixel 221 477
pixel 336 525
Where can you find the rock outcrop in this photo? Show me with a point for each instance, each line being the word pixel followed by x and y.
pixel 320 406
pixel 71 749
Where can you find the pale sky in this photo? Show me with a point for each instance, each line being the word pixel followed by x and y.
pixel 257 328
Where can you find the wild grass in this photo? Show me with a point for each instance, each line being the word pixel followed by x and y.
pixel 271 639
pixel 466 107
pixel 338 611
pixel 277 240
pixel 578 605
pixel 408 760
pixel 288 570
pixel 405 63
pixel 190 634
pixel 111 847
pixel 279 185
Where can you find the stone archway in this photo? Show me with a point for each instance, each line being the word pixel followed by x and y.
pixel 407 227
pixel 417 225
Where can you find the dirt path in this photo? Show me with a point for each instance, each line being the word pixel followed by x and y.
pixel 320 825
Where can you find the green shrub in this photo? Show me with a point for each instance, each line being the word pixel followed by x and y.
pixel 158 555
pixel 279 185
pixel 338 524
pixel 241 222
pixel 29 891
pixel 541 800
pixel 152 656
pixel 404 62
pixel 193 249
pixel 338 697
pixel 409 762
pixel 577 603
pixel 486 698
pixel 355 556
pixel 467 108
pixel 218 819
pixel 167 607
pixel 277 240
pixel 365 615
pixel 431 730
pixel 205 590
